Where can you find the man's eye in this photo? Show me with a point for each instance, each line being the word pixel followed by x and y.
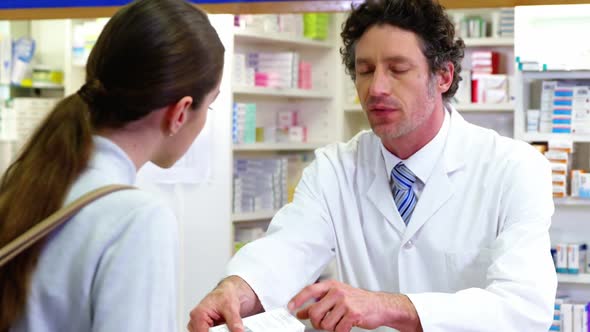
pixel 364 71
pixel 399 70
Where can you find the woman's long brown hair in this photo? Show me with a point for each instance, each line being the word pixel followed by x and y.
pixel 150 55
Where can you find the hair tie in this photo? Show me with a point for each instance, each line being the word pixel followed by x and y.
pixel 91 90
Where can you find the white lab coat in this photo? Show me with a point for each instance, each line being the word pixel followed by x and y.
pixel 475 255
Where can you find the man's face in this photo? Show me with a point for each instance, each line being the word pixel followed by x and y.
pixel 393 81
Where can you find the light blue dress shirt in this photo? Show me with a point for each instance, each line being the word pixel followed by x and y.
pixel 113 267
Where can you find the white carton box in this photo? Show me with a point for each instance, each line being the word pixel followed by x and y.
pixel 567 317
pixel 579 311
pixel 491 88
pixel 561 263
pixel 298 134
pixel 463 94
pixel 581 110
pixel 576 182
pixel 576 257
pixel 584 185
pixel 287 119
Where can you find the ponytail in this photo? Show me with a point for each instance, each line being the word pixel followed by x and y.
pixel 36 185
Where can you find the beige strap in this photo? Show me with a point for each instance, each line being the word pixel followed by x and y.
pixel 50 223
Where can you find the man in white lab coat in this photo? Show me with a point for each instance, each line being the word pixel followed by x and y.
pixel 435 224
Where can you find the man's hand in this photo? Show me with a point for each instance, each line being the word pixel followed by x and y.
pixel 340 307
pixel 227 303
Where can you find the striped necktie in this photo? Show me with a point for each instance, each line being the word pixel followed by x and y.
pixel 401 183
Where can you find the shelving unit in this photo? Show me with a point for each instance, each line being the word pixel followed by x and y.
pixel 36 86
pixel 277 147
pixel 506 107
pixel 555 74
pixel 278 39
pixel 537 27
pixel 253 216
pixel 572 201
pixel 319 109
pixel 489 42
pixel 280 93
pixel 545 137
pixel 523 81
pixel 573 278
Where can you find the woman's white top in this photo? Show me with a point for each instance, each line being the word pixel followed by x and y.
pixel 113 266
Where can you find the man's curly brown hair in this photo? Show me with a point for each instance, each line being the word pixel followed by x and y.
pixel 426 18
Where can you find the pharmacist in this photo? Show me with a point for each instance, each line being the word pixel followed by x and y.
pixel 435 224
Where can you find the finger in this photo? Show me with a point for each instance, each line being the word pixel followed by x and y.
pixel 325 304
pixel 304 313
pixel 198 326
pixel 199 321
pixel 323 308
pixel 345 325
pixel 314 321
pixel 201 326
pixel 318 311
pixel 313 291
pixel 232 318
pixel 330 321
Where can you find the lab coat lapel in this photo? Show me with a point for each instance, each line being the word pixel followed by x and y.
pixel 379 192
pixel 437 191
pixel 439 187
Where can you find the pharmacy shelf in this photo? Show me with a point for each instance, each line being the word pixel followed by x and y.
pixel 573 278
pixel 252 216
pixel 280 93
pixel 47 86
pixel 505 107
pixel 278 39
pixel 488 41
pixel 278 146
pixel 572 201
pixel 542 137
pixel 556 74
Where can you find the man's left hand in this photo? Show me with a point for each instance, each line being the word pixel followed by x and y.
pixel 340 307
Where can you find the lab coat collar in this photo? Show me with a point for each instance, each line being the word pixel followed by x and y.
pixel 439 188
pixel 454 151
pixel 112 161
pixel 436 192
pixel 422 162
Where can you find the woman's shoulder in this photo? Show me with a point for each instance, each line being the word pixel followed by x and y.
pixel 121 213
pixel 133 205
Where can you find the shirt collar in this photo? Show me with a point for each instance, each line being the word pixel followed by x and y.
pixel 423 161
pixel 109 158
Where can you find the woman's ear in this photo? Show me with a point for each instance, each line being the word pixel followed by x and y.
pixel 176 115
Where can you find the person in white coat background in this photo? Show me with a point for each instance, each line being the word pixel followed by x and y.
pixel 435 224
pixel 150 78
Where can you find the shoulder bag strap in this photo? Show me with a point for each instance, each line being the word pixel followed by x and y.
pixel 50 223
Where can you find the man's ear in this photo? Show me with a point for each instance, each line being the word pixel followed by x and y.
pixel 445 77
pixel 177 115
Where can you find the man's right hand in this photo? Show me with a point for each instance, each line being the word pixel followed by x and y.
pixel 227 303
